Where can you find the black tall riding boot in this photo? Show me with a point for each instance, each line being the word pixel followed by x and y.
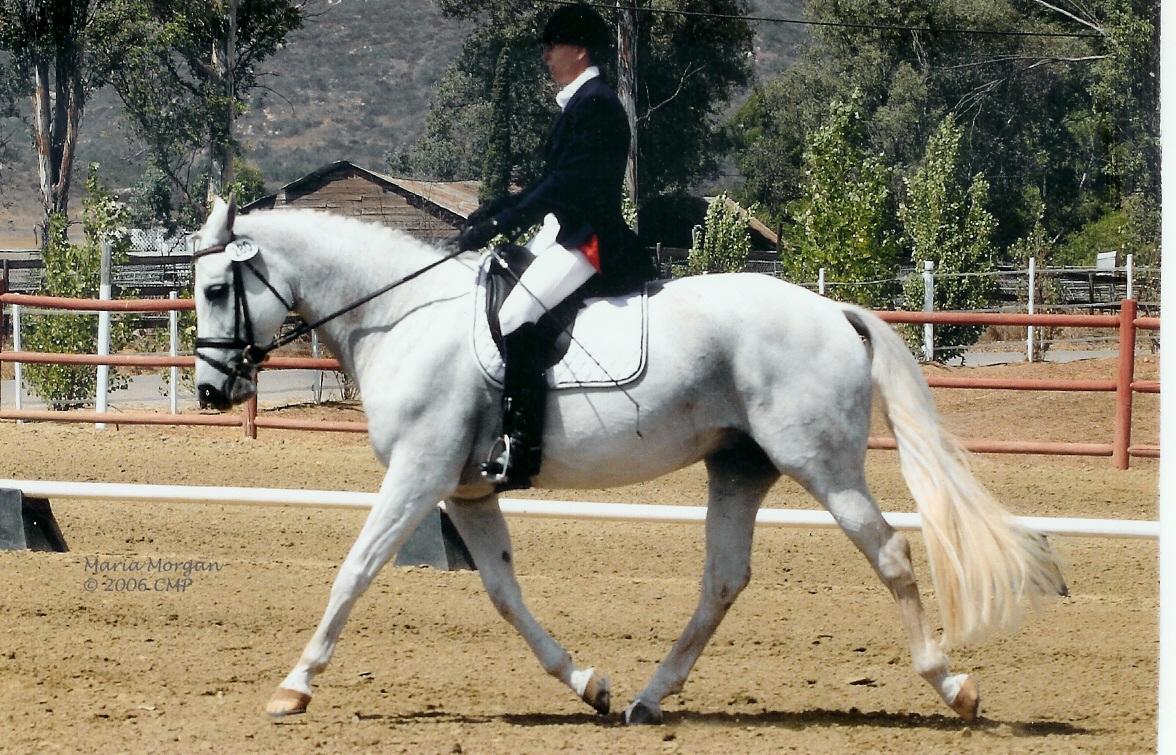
pixel 516 458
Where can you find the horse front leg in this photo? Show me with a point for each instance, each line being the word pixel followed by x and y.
pixel 406 495
pixel 738 478
pixel 483 528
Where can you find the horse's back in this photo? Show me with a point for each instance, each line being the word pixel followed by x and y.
pixel 752 317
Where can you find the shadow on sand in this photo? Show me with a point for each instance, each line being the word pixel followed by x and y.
pixel 796 720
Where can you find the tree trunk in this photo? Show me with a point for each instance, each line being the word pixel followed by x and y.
pixel 58 105
pixel 627 85
pixel 221 168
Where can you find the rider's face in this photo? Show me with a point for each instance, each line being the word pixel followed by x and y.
pixel 565 62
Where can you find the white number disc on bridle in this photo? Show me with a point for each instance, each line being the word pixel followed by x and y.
pixel 240 250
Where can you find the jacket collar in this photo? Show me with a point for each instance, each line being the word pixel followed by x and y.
pixel 565 95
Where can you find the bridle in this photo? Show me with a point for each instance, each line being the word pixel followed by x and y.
pixel 251 354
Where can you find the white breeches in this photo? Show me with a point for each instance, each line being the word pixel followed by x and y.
pixel 554 275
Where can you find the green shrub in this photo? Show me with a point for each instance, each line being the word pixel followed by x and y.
pixel 844 221
pixel 73 270
pixel 724 243
pixel 945 222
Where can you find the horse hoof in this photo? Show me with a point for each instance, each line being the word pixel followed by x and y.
pixel 967 700
pixel 639 713
pixel 598 693
pixel 287 702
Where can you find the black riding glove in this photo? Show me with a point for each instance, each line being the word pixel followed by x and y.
pixel 477 236
pixel 490 209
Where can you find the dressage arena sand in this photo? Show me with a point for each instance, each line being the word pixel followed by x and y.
pixel 811 658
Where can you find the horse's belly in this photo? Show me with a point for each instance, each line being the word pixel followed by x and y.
pixel 625 448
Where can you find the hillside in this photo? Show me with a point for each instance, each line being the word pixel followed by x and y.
pixel 354 83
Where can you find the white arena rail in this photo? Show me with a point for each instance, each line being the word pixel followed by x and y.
pixel 649 512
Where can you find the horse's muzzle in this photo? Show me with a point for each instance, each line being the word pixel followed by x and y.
pixel 212 397
pixel 237 390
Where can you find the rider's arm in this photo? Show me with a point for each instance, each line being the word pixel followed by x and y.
pixel 596 137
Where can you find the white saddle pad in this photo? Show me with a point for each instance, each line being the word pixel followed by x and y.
pixel 608 341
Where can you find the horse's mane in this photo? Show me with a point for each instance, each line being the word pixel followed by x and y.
pixel 338 229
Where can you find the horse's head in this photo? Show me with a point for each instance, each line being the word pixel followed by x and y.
pixel 238 309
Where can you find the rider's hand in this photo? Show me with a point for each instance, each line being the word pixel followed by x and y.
pixel 489 210
pixel 477 236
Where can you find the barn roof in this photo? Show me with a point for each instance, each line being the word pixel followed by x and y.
pixel 457 197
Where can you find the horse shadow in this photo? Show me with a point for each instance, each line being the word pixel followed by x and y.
pixel 793 720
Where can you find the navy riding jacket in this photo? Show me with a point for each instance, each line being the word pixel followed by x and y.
pixel 585 159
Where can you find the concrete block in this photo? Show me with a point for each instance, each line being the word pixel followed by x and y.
pixel 28 524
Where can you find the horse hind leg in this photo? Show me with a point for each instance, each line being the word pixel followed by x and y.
pixel 889 554
pixel 483 528
pixel 738 477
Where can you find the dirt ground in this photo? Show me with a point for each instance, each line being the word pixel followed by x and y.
pixel 811 658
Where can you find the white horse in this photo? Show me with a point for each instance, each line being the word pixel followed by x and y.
pixel 751 375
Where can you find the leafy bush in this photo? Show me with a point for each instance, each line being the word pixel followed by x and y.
pixel 73 270
pixel 844 220
pixel 723 244
pixel 945 221
pixel 1131 229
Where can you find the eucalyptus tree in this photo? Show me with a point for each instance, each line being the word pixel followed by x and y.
pixel 56 60
pixel 187 71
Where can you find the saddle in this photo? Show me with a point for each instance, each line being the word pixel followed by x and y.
pixel 596 341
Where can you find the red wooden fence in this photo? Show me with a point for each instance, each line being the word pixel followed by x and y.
pixel 1123 385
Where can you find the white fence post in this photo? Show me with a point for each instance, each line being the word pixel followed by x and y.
pixel 821 281
pixel 928 306
pixel 103 334
pixel 317 386
pixel 17 367
pixel 1032 290
pixel 173 336
pixel 1130 276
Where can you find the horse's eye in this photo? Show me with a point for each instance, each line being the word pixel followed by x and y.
pixel 216 292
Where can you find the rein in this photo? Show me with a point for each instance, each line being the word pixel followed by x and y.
pixel 253 354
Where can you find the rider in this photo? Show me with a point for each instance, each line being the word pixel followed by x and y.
pixel 584 235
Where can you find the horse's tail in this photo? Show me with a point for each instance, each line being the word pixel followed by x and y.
pixel 985 565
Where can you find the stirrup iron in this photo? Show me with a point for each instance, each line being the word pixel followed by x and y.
pixel 498 461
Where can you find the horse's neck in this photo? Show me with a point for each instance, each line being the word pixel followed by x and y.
pixel 331 271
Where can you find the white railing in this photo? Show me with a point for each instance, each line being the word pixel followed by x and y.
pixel 532 508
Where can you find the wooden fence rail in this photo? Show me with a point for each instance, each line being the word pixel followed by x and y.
pixel 1123 385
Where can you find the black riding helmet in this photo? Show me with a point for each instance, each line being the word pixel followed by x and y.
pixel 578 25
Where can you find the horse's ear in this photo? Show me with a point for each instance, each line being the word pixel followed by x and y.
pixel 232 210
